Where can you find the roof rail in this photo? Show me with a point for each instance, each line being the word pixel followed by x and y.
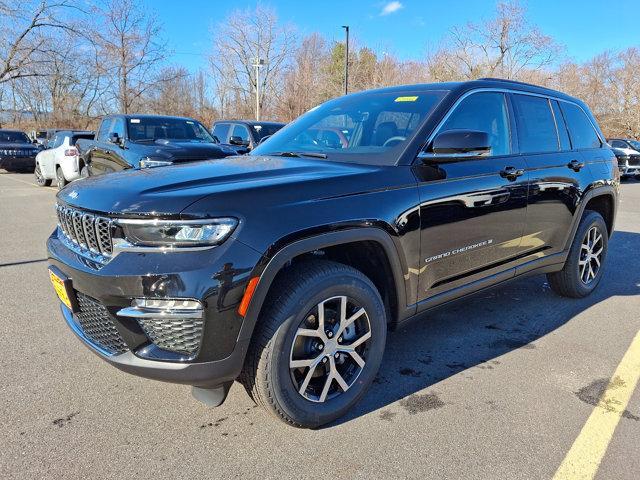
pixel 504 80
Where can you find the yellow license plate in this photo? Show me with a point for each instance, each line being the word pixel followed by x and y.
pixel 60 288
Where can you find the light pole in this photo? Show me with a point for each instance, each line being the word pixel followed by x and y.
pixel 259 63
pixel 346 60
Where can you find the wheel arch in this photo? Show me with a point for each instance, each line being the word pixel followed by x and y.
pixel 601 199
pixel 329 245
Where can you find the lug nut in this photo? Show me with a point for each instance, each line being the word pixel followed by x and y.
pixel 329 334
pixel 337 355
pixel 339 339
pixel 320 346
pixel 324 360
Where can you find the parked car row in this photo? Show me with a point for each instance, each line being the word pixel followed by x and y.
pixel 284 269
pixel 628 154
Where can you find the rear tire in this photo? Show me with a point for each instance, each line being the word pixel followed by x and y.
pixel 40 180
pixel 312 395
pixel 584 266
pixel 62 182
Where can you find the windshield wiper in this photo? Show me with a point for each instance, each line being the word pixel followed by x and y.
pixel 299 154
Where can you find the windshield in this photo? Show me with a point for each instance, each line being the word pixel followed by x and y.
pixel 635 144
pixel 370 128
pixel 14 137
pixel 150 129
pixel 265 130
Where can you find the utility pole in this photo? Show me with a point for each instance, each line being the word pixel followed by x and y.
pixel 346 60
pixel 259 63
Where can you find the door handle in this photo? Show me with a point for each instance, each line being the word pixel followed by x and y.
pixel 575 165
pixel 511 173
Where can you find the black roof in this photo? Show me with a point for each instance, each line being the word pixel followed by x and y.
pixel 461 87
pixel 11 130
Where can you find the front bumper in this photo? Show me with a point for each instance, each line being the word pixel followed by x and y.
pixel 199 374
pixel 216 278
pixel 18 163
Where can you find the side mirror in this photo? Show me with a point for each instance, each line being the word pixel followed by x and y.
pixel 454 145
pixel 235 140
pixel 115 139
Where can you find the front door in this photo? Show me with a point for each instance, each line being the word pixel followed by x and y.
pixel 472 211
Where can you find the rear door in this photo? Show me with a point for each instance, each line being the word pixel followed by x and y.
pixel 557 174
pixel 472 211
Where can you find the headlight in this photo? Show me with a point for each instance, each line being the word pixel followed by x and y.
pixel 177 233
pixel 147 162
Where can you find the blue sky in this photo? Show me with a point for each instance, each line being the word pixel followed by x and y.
pixel 406 28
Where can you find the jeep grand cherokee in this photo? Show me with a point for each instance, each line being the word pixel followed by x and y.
pixel 285 268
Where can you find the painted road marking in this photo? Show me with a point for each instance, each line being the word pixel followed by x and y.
pixel 586 453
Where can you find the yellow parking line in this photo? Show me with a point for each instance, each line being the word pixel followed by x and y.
pixel 585 455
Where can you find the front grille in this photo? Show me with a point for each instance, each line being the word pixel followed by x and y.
pixel 634 160
pixel 86 230
pixel 19 152
pixel 175 335
pixel 97 325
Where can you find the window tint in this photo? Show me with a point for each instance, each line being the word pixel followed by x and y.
pixel 241 131
pixel 582 132
pixel 536 127
pixel 618 144
pixel 563 134
pixel 75 138
pixel 147 129
pixel 103 132
pixel 221 130
pixel 486 112
pixel 263 130
pixel 56 141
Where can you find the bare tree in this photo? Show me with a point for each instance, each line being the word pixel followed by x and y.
pixel 506 46
pixel 132 51
pixel 24 43
pixel 245 37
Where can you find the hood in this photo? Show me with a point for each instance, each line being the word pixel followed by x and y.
pixel 14 145
pixel 177 151
pixel 169 190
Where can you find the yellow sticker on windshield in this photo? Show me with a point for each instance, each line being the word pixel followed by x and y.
pixel 406 99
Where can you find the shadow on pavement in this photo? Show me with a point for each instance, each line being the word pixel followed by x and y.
pixel 482 327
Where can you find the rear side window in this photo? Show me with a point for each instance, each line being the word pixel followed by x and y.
pixel 486 112
pixel 221 130
pixel 583 135
pixel 536 126
pixel 561 124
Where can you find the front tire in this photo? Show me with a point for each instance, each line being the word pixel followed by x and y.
pixel 318 343
pixel 583 269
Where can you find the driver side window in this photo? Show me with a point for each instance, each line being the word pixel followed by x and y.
pixel 485 112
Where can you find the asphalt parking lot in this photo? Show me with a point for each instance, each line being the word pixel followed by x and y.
pixel 499 385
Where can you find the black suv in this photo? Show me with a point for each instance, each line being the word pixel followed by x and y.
pixel 17 152
pixel 144 141
pixel 243 135
pixel 284 268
